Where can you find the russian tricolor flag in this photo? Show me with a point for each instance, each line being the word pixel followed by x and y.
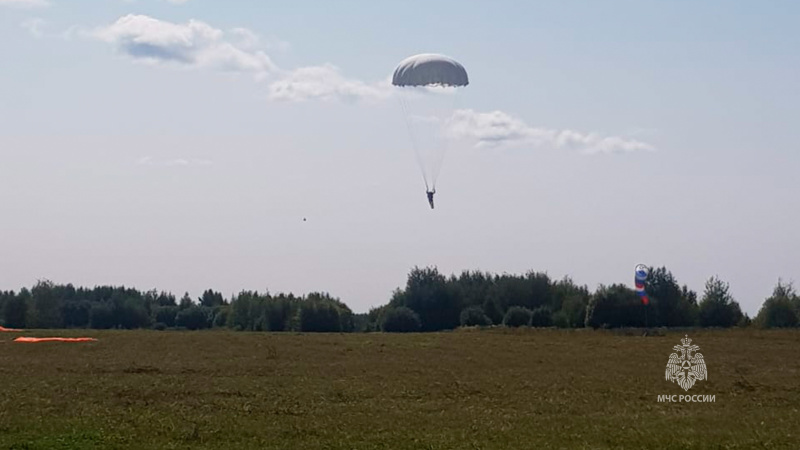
pixel 641 276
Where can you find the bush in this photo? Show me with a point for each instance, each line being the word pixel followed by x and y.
pixel 542 317
pixel 160 326
pixel 474 316
pixel 615 306
pixel 517 316
pixel 400 320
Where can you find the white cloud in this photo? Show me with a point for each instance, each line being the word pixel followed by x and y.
pixel 39 29
pixel 194 44
pixel 25 3
pixel 325 83
pixel 35 26
pixel 249 40
pixel 180 162
pixel 497 128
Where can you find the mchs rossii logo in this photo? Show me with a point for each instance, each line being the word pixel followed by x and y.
pixel 685 367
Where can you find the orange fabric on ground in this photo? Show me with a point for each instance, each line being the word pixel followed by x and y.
pixel 9 330
pixel 53 339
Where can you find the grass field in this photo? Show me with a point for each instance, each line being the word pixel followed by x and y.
pixel 466 389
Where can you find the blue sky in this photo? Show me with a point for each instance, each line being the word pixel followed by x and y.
pixel 176 165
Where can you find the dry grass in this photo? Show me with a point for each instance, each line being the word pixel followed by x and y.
pixel 461 390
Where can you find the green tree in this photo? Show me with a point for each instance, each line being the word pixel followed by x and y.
pixel 193 318
pixel 530 291
pixel 361 323
pixel 319 316
pixel 427 294
pixel 241 306
pixel 131 313
pixel 346 320
pixel 166 299
pixel 46 311
pixel 76 313
pixel 211 299
pixel 166 315
pixel 279 312
pixel 4 296
pixel 570 302
pixel 492 311
pixel 186 301
pixel 375 317
pixel 781 309
pixel 15 310
pixel 101 317
pixel 671 305
pixel 561 319
pixel 471 288
pixel 221 317
pixel 718 308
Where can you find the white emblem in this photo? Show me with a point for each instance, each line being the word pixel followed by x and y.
pixel 686 368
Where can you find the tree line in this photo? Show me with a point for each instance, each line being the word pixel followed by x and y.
pixel 49 305
pixel 429 301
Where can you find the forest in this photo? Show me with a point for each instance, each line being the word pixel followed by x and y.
pixel 429 301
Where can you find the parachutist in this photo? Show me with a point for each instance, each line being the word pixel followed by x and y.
pixel 430 197
pixel 419 76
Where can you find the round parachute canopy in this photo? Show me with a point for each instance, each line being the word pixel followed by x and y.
pixel 430 69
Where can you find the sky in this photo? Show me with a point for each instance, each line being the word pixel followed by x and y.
pixel 179 145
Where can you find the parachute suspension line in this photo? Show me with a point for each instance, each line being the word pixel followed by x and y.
pixel 437 164
pixel 414 143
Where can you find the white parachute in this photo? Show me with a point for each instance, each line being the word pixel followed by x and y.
pixel 429 86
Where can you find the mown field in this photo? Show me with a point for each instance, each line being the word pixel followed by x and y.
pixel 468 389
